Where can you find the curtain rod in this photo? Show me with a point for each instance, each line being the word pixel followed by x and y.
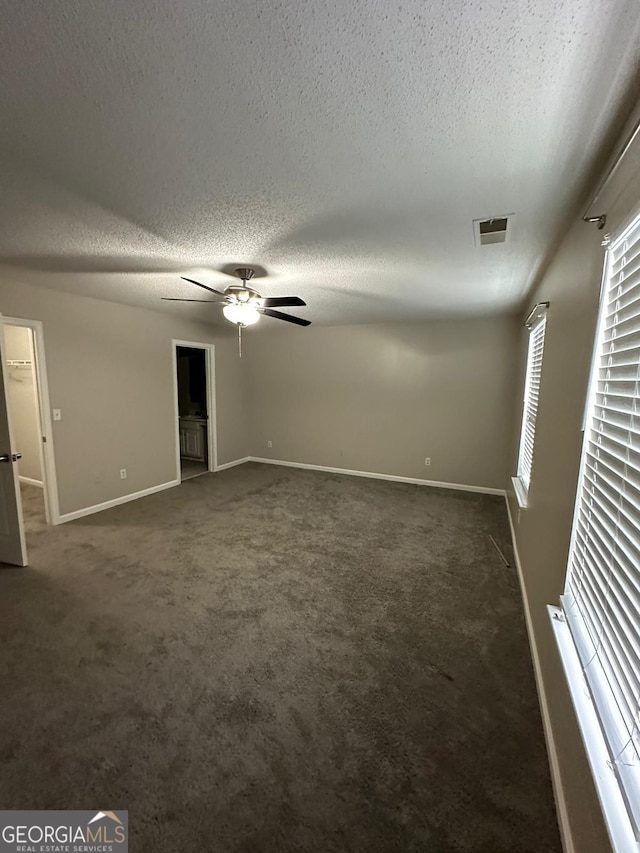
pixel 602 219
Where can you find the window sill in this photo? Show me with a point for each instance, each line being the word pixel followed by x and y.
pixel 609 793
pixel 521 492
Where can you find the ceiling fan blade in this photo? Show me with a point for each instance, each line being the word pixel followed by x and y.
pixel 177 299
pixel 206 287
pixel 281 301
pixel 288 317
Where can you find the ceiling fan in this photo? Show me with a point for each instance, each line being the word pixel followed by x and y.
pixel 243 305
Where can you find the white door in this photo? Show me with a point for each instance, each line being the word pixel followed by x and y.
pixel 12 544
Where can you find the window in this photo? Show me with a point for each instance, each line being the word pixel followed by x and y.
pixel 602 594
pixel 530 408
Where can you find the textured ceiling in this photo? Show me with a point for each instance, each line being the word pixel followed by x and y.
pixel 344 146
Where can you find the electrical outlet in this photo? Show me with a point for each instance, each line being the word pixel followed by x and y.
pixel 57 414
pixel 123 473
pixel 269 444
pixel 427 461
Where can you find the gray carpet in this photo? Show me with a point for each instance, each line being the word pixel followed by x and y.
pixel 270 660
pixel 32 508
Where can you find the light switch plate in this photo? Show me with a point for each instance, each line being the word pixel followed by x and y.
pixel 57 414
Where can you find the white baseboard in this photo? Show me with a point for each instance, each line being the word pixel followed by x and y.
pixel 29 481
pixel 235 462
pixel 556 779
pixel 90 510
pixel 80 513
pixel 373 476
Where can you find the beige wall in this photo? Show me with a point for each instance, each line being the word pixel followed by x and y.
pixel 110 372
pixel 380 398
pixel 23 401
pixel 572 285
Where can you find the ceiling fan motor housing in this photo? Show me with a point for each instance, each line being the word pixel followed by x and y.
pixel 242 293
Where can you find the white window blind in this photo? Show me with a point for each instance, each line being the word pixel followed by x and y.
pixel 531 397
pixel 602 594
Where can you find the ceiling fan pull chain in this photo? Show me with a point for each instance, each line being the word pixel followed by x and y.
pixel 240 340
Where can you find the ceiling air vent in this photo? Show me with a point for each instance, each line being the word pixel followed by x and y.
pixel 490 231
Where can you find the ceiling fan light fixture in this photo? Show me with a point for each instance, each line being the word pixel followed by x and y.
pixel 242 314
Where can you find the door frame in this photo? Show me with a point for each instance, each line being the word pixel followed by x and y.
pixel 49 478
pixel 212 425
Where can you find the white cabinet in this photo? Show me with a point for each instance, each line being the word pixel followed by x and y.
pixel 193 438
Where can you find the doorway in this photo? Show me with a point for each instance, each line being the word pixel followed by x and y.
pixel 27 475
pixel 28 413
pixel 193 373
